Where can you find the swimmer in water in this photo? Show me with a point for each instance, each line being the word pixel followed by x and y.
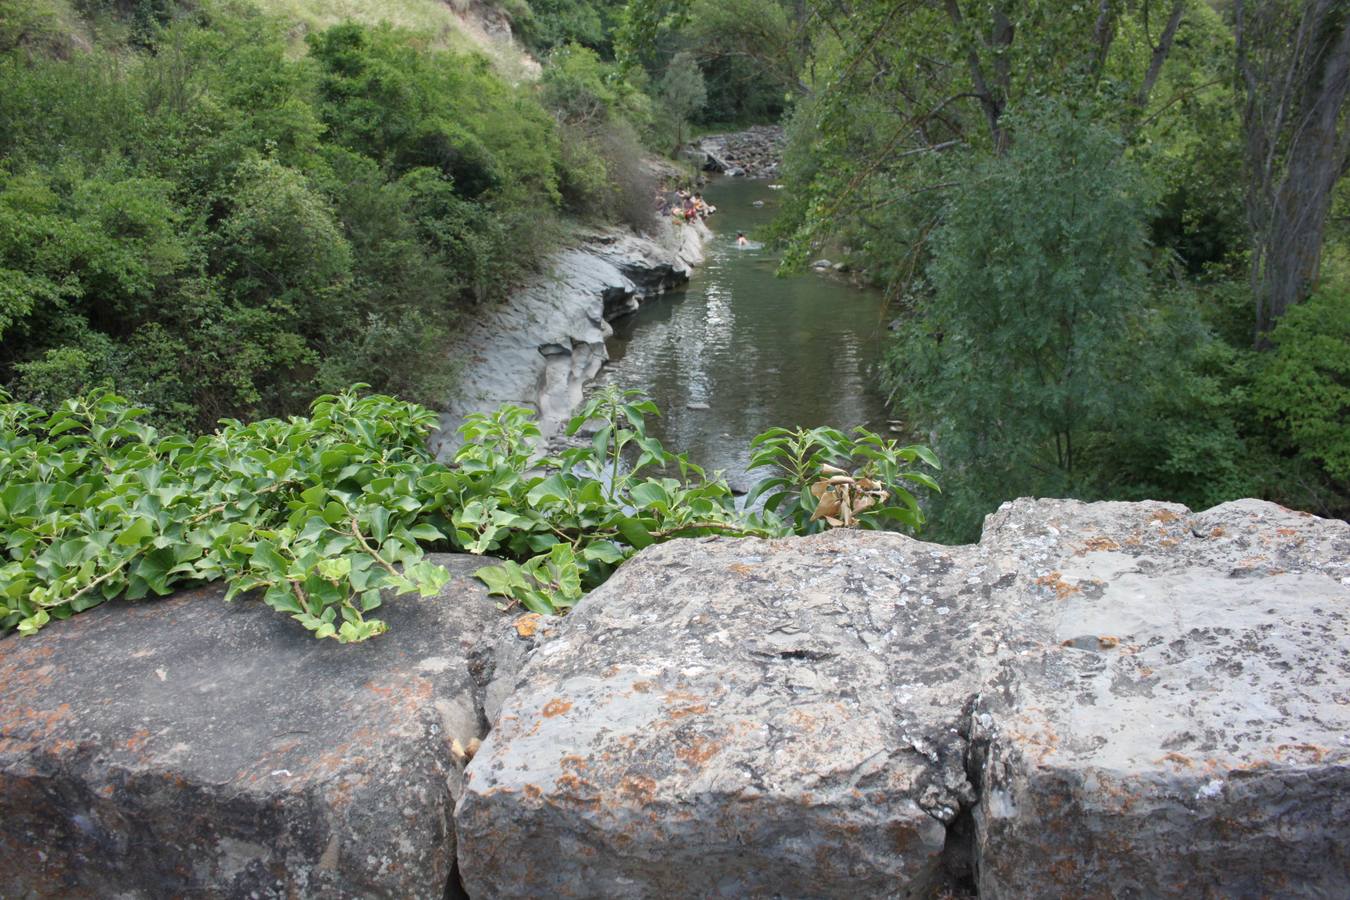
pixel 741 240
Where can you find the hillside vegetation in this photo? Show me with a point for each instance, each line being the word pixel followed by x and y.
pixel 216 224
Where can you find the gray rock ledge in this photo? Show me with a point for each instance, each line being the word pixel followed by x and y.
pixel 541 348
pixel 1104 699
pixel 189 747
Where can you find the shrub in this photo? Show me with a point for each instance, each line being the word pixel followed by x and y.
pixel 599 111
pixel 217 228
pixel 1304 385
pixel 1023 359
pixel 322 514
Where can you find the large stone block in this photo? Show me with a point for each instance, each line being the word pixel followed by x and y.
pixel 1096 700
pixel 189 747
pixel 736 718
pixel 1172 712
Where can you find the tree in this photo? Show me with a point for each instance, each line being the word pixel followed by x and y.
pixel 682 92
pixel 1293 62
pixel 1022 359
pixel 900 85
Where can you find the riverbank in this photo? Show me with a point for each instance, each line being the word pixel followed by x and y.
pixel 539 349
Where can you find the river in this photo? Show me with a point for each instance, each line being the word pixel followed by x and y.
pixel 759 350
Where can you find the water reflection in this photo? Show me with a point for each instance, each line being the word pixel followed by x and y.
pixel 759 350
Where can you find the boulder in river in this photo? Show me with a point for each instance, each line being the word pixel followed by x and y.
pixel 187 746
pixel 1098 699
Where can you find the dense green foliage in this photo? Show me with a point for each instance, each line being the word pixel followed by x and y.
pixel 1304 386
pixel 550 24
pixel 749 52
pixel 1046 351
pixel 315 512
pixel 1053 198
pixel 601 119
pixel 323 513
pixel 217 225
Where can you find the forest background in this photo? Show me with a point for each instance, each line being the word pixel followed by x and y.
pixel 1113 234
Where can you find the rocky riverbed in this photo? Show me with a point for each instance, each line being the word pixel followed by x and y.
pixel 755 153
pixel 1098 699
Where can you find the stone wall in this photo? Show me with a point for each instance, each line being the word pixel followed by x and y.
pixel 1109 699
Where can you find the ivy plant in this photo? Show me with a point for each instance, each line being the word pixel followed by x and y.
pixel 325 516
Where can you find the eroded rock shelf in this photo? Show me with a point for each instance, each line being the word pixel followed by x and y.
pixel 1105 699
pixel 542 348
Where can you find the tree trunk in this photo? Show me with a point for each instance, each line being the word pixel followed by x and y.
pixel 1297 139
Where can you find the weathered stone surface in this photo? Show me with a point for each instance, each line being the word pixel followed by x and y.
pixel 734 718
pixel 1096 700
pixel 1170 714
pixel 189 747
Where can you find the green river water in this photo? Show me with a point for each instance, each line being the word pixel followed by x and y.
pixel 759 350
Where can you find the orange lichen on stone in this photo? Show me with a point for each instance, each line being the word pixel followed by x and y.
pixel 527 625
pixel 699 751
pixel 638 788
pixel 642 687
pixel 741 568
pixel 1176 759
pixel 1303 752
pixel 39 724
pixel 1098 544
pixel 683 698
pixel 556 707
pixel 1055 580
pixel 697 709
pixel 1164 515
pixel 573 785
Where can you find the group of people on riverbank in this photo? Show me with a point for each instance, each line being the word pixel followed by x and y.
pixel 684 206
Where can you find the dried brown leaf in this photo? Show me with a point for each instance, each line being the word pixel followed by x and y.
pixel 828 506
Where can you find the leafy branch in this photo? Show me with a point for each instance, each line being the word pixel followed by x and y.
pixel 96 505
